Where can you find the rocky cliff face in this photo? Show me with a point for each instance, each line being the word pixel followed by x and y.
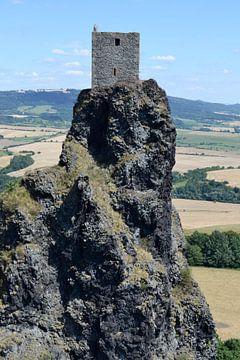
pixel 92 259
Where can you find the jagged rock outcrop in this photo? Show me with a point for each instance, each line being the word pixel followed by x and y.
pixel 92 261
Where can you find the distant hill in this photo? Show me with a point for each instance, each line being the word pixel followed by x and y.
pixel 202 110
pixel 54 108
pixel 40 108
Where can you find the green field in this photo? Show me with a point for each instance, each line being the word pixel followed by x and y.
pixel 4 153
pixel 210 141
pixel 36 110
pixel 29 139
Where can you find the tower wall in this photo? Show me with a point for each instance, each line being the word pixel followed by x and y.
pixel 115 57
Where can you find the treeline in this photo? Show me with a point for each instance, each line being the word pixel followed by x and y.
pixel 228 350
pixel 17 162
pixel 195 185
pixel 218 249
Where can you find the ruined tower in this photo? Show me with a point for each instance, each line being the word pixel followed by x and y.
pixel 115 57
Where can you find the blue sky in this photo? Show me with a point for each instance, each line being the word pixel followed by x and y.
pixel 192 48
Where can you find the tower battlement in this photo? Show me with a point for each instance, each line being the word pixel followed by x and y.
pixel 115 57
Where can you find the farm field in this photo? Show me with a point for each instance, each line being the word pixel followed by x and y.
pixel 15 132
pixel 209 140
pixel 46 143
pixel 198 214
pixel 232 176
pixel 45 154
pixel 189 158
pixel 11 136
pixel 31 128
pixel 222 291
pixel 5 160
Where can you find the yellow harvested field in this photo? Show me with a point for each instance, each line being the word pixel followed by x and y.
pixel 220 129
pixel 232 176
pixel 12 133
pixel 192 158
pixel 5 160
pixel 210 229
pixel 46 154
pixel 196 214
pixel 222 291
pixel 59 138
pixel 232 123
pixel 31 128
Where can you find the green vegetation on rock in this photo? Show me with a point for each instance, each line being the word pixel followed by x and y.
pixel 18 197
pixel 184 285
pixel 99 179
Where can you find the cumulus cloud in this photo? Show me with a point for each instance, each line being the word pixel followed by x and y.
pixel 168 58
pixel 49 60
pixel 81 52
pixel 59 52
pixel 74 72
pixel 159 67
pixel 74 52
pixel 72 63
pixel 32 74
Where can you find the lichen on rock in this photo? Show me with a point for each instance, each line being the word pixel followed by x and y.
pixel 97 268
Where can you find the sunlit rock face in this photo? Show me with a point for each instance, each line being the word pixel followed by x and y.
pixel 92 253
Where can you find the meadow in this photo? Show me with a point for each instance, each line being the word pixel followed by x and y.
pixel 199 214
pixel 232 176
pixel 222 291
pixel 189 158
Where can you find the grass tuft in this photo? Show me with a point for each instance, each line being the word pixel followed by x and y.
pixel 17 197
pixel 100 181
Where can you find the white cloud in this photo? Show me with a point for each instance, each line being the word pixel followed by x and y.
pixel 74 72
pixel 196 88
pixel 34 74
pixel 168 58
pixel 81 52
pixel 159 67
pixel 59 52
pixel 20 73
pixel 72 63
pixel 74 52
pixel 49 60
pixel 226 71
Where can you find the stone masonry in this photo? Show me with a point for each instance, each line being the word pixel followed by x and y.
pixel 115 57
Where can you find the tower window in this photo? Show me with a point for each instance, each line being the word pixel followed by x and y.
pixel 114 72
pixel 117 42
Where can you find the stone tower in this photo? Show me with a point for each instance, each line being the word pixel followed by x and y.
pixel 115 57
